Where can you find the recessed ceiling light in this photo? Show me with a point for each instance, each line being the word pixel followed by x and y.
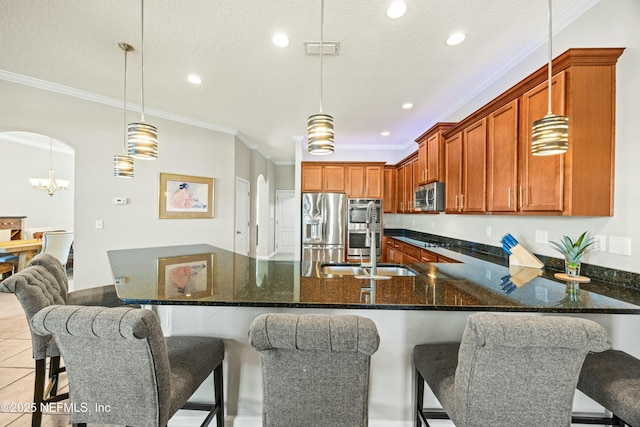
pixel 455 38
pixel 196 80
pixel 384 133
pixel 396 9
pixel 280 40
pixel 407 105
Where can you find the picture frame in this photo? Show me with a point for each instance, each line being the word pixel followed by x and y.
pixel 185 196
pixel 185 277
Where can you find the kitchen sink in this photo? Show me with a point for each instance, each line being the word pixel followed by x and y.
pixel 358 270
pixel 393 271
pixel 342 270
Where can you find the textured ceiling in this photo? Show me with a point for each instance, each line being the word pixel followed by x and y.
pixel 264 92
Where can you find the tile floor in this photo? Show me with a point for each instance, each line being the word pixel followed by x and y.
pixel 17 367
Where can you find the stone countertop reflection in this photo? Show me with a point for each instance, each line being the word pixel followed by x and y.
pixel 206 275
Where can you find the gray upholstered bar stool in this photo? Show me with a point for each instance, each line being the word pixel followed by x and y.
pixel 43 283
pixel 507 370
pixel 315 368
pixel 124 371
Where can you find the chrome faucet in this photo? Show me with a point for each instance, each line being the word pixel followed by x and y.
pixel 371 220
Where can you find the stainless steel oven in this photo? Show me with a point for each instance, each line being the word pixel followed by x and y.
pixel 357 244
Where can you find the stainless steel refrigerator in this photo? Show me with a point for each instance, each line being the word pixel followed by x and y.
pixel 323 226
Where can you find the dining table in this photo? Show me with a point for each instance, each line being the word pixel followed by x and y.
pixel 25 249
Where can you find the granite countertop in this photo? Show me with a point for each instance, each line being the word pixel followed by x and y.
pixel 206 275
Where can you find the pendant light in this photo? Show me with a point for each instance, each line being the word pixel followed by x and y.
pixel 123 163
pixel 142 137
pixel 550 134
pixel 320 126
pixel 49 184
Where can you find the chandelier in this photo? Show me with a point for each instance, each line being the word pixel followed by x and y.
pixel 50 185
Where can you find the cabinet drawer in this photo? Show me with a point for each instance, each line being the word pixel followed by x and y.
pixel 412 251
pixel 10 224
pixel 426 256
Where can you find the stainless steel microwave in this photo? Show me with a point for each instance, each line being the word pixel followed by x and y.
pixel 430 197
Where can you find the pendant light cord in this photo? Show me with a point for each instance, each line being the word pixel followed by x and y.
pixel 550 58
pixel 50 153
pixel 321 47
pixel 124 107
pixel 142 58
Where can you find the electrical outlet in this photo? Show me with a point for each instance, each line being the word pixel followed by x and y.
pixel 620 245
pixel 487 274
pixel 120 201
pixel 487 230
pixel 99 223
pixel 542 236
pixel 120 280
pixel 600 244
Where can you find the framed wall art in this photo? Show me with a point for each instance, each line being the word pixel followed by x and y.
pixel 189 276
pixel 184 196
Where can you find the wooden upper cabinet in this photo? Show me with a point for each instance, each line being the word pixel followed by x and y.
pixel 435 158
pixel 334 178
pixel 408 185
pixel 431 153
pixel 474 155
pixel 422 172
pixel 542 182
pixel 365 181
pixel 389 193
pixel 358 180
pixel 502 159
pixel 453 175
pixel 312 178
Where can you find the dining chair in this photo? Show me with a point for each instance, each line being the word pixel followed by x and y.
pixel 58 244
pixel 507 370
pixel 42 283
pixel 142 377
pixel 315 368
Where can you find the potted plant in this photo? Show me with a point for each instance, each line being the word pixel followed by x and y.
pixel 573 251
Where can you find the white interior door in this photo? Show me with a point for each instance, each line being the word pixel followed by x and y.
pixel 242 216
pixel 286 221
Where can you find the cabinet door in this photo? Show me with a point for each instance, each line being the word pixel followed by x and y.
pixel 388 198
pixel 474 155
pixel 422 162
pixel 312 177
pixel 435 158
pixel 453 173
pixel 400 189
pixel 502 159
pixel 373 181
pixel 408 187
pixel 334 178
pixel 542 177
pixel 355 177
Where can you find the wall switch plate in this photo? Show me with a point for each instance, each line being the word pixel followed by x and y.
pixel 620 245
pixel 542 236
pixel 99 223
pixel 120 280
pixel 120 201
pixel 600 244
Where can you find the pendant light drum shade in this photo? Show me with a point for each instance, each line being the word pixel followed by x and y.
pixel 550 135
pixel 320 134
pixel 123 166
pixel 143 140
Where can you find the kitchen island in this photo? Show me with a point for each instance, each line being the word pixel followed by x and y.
pixel 206 275
pixel 215 292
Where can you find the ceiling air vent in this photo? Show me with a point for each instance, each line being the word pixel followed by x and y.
pixel 313 48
